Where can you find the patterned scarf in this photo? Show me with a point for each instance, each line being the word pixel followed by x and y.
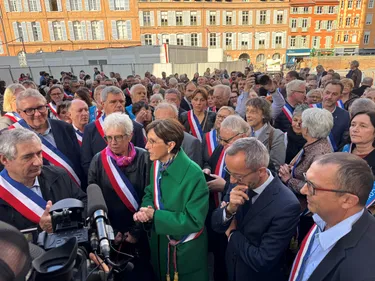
pixel 123 161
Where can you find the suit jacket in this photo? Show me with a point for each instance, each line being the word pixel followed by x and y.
pixel 263 234
pixel 93 142
pixel 282 122
pixel 359 92
pixel 341 124
pixel 351 258
pixel 193 149
pixel 207 123
pixel 185 105
pixel 278 150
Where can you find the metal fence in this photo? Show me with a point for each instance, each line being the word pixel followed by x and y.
pixel 10 74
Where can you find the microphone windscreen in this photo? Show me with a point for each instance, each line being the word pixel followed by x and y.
pixel 95 200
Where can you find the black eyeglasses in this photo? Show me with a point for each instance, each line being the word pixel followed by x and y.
pixel 31 111
pixel 238 178
pixel 118 138
pixel 228 140
pixel 312 188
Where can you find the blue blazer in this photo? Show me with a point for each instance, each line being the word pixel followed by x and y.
pixel 341 120
pixel 255 249
pixel 93 143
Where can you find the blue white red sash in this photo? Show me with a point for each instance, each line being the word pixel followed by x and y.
pixel 332 142
pixel 302 256
pixel 195 126
pixel 53 110
pixel 120 182
pixel 211 141
pixel 220 171
pixel 51 153
pixel 296 160
pixel 13 116
pixel 79 136
pixel 371 199
pixel 158 204
pixel 23 199
pixel 288 111
pixel 99 126
pixel 340 104
pixel 316 105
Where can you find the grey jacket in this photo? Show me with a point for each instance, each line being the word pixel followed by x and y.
pixel 193 148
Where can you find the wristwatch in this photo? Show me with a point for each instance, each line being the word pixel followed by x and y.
pixel 228 214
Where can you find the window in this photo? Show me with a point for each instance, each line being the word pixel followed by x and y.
pixel 371 4
pixel 346 38
pixel 331 9
pixel 164 18
pixel 303 41
pixel 354 38
pixel 121 5
pixel 228 18
pixel 342 4
pixel 213 19
pixel 261 43
pixel 212 39
pixel 356 21
pixel 180 39
pixel 178 18
pixel 148 39
pixel 338 38
pixel 53 5
pixel 146 19
pixel 359 3
pixel 317 25
pixel 75 5
pixel 294 23
pixel 276 56
pixel 350 4
pixel 278 40
pixel 369 19
pixel 305 10
pixel 329 24
pixel 36 31
pixel 347 22
pixel 245 17
pixel 340 21
pixel 33 7
pixel 13 6
pixel 194 39
pixel 165 39
pixel 77 30
pixel 245 41
pixel 295 10
pixel 304 23
pixel 18 31
pixel 262 17
pixel 319 10
pixel 228 40
pixel 279 17
pixel 57 30
pixel 366 37
pixel 122 33
pixel 260 58
pixel 96 30
pixel 193 18
pixel 292 41
pixel 315 42
pixel 94 5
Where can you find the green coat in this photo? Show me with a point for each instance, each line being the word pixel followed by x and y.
pixel 185 198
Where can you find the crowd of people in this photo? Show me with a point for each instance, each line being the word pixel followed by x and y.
pixel 240 176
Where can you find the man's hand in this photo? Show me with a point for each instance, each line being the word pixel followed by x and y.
pixel 237 198
pixel 217 184
pixel 233 225
pixel 141 116
pixel 271 87
pixel 144 214
pixel 45 222
pixel 250 82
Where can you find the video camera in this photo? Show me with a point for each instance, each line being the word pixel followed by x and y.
pixel 73 238
pixel 261 79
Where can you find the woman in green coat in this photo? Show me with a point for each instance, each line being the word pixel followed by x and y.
pixel 176 203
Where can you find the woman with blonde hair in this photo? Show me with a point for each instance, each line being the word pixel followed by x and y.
pixel 9 105
pixel 347 96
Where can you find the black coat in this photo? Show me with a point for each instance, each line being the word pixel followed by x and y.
pixel 295 144
pixel 359 92
pixel 137 172
pixel 55 185
pixel 92 142
pixel 282 122
pixel 207 123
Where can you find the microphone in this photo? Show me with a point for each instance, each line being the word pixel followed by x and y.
pixel 97 209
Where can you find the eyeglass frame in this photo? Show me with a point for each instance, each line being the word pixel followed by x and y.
pixel 239 179
pixel 314 188
pixel 114 138
pixel 36 108
pixel 227 141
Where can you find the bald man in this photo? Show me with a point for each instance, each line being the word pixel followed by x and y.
pixel 78 114
pixel 137 93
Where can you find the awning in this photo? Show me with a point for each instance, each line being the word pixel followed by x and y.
pixel 298 54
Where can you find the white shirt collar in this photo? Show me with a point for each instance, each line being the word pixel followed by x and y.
pixel 261 188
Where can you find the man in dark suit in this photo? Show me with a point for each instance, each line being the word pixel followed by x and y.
pixel 260 216
pixel 113 100
pixel 174 96
pixel 32 107
pixel 337 189
pixel 366 83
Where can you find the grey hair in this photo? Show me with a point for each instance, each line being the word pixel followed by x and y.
pixel 319 122
pixel 156 86
pixel 29 93
pixel 156 97
pixel 229 108
pixel 132 89
pixel 15 86
pixel 173 81
pixel 292 85
pixel 299 109
pixel 167 105
pixel 88 83
pixel 318 90
pixel 174 92
pixel 256 154
pixel 236 124
pixel 367 81
pixel 226 89
pixel 355 63
pixel 118 120
pixel 9 140
pixel 360 105
pixel 29 83
pixel 110 90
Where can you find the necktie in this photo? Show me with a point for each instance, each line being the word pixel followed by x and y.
pixel 246 207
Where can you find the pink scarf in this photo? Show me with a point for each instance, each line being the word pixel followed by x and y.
pixel 122 161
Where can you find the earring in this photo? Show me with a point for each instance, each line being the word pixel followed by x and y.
pixel 169 151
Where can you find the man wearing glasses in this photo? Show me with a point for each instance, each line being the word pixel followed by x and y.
pixel 60 145
pixel 341 244
pixel 260 215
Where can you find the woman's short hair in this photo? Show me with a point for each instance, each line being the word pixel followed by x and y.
pixel 299 109
pixel 347 82
pixel 229 108
pixel 202 91
pixel 236 124
pixel 371 115
pixel 158 97
pixel 319 122
pixel 64 105
pixel 313 91
pixel 9 96
pixel 118 120
pixel 361 105
pixel 60 87
pixel 137 107
pixel 168 130
pixel 84 95
pixel 262 105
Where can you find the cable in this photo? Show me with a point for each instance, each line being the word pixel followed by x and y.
pixel 96 255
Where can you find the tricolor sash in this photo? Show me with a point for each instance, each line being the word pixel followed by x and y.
pixel 99 125
pixel 120 182
pixel 340 104
pixel 211 141
pixel 79 136
pixel 220 171
pixel 23 199
pixel 371 199
pixel 316 105
pixel 195 126
pixel 296 160
pixel 52 154
pixel 288 111
pixel 332 142
pixel 53 110
pixel 13 116
pixel 302 256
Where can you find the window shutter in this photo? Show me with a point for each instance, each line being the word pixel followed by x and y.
pixel 217 40
pixel 187 40
pixel 143 40
pixel 50 29
pixel 98 4
pixel 250 38
pixel 224 17
pixel 159 40
pixel 152 18
pixel 38 6
pixel 318 42
pixel 39 30
pixel 89 30
pixel 274 16
pixel 258 18
pixel 335 24
pixel 153 38
pixel 239 41
pixel 171 18
pixel 308 22
pixel 16 33
pixel 71 31
pixel 217 19
pixel 290 23
pixel 299 22
pixel 84 31
pixel 102 33
pixel 273 44
pixel 308 41
pixel 129 29
pixel 87 7
pixel 234 22
pixel 233 41
pixel 127 5
pixel 140 17
pixel 199 18
pixel 6 5
pixel 283 40
pixel 172 39
pixel 207 17
pixel 159 18
pixel 186 18
pixel 114 30
pixel 19 6
pixel 59 5
pixel 24 32
pixel 68 8
pixel 26 6
pixel 285 16
pixel 317 25
pixel 30 32
pixel 250 17
pixel 256 41
pixel 63 27
pixel 310 10
pixel 224 35
pixel 79 5
pixel 240 18
pixel 112 5
pixel 200 40
pixel 267 41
